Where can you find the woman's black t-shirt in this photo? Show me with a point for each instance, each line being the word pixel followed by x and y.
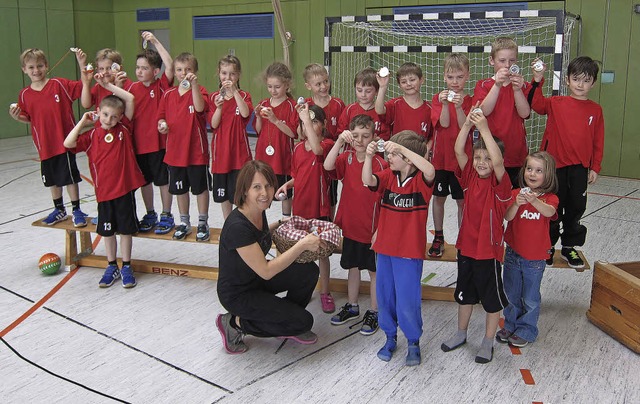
pixel 235 276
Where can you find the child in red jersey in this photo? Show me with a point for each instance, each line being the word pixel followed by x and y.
pixel 311 182
pixel 47 104
pixel 229 114
pixel 574 136
pixel 406 186
pixel 276 123
pixel 149 143
pixel 366 86
pixel 410 111
pixel 357 217
pixel 487 194
pixel 108 62
pixel 503 99
pixel 528 243
pixel 448 112
pixel 116 176
pixel 316 80
pixel 182 117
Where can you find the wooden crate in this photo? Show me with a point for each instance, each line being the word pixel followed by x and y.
pixel 615 301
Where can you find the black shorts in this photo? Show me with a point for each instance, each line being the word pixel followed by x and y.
pixel 446 183
pixel 60 170
pixel 480 281
pixel 514 175
pixel 153 168
pixel 333 193
pixel 117 216
pixel 357 255
pixel 196 178
pixel 281 181
pixel 224 186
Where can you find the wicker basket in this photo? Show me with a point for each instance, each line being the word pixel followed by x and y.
pixel 284 242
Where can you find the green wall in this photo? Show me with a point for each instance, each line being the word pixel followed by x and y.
pixel 611 33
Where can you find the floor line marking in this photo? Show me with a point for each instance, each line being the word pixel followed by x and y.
pixel 527 377
pixel 615 196
pixel 39 303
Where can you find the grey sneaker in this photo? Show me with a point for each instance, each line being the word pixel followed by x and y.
pixel 182 231
pixel 503 335
pixel 232 339
pixel 517 342
pixel 306 338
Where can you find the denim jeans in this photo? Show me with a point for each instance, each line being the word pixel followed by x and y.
pixel 522 279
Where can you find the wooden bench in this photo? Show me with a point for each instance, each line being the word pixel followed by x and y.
pixel 79 252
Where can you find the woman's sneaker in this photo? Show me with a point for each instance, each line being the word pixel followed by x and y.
pixel 232 339
pixel 348 312
pixel 369 323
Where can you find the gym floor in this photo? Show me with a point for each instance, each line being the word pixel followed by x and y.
pixel 66 340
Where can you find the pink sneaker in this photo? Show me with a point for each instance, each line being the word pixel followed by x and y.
pixel 328 305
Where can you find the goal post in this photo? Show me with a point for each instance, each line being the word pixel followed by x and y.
pixel 353 43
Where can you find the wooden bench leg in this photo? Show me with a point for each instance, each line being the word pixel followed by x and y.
pixel 71 249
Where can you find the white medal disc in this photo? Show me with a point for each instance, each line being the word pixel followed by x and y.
pixel 270 150
pixel 145 43
pixel 108 138
pixel 350 159
pixel 185 84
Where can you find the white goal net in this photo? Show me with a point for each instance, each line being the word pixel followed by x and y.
pixel 353 43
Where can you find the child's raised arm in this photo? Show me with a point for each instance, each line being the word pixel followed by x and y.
pixel 479 120
pixel 330 160
pixel 421 163
pixel 368 179
pixel 85 77
pixel 309 132
pixel 124 95
pixel 383 82
pixel 72 138
pixel 198 100
pixel 461 140
pixel 164 55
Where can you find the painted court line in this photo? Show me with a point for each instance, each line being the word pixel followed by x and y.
pixel 527 377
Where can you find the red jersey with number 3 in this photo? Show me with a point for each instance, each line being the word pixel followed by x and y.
pixel 332 112
pixel 401 116
pixel 50 113
pixel 229 143
pixel 504 121
pixel 270 135
pixel 353 110
pixel 528 232
pixel 444 139
pixel 112 161
pixel 359 208
pixel 311 186
pixel 187 143
pixel 146 137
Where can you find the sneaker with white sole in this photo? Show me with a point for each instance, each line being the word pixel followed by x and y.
pixel 203 232
pixel 182 231
pixel 437 248
pixel 348 312
pixel 517 342
pixel 369 323
pixel 79 218
pixel 572 257
pixel 128 280
pixel 55 216
pixel 111 274
pixel 503 335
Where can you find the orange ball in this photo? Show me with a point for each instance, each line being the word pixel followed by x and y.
pixel 49 263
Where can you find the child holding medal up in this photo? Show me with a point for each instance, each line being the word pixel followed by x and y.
pixel 275 123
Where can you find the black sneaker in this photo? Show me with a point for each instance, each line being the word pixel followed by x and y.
pixel 572 257
pixel 437 248
pixel 347 313
pixel 552 252
pixel 369 323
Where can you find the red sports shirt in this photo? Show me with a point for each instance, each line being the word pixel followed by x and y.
pixel 359 208
pixel 98 92
pixel 401 116
pixel 50 112
pixel 528 232
pixel 402 228
pixel 280 161
pixel 444 139
pixel 187 143
pixel 575 130
pixel 481 234
pixel 311 187
pixel 146 137
pixel 112 161
pixel 353 110
pixel 332 111
pixel 229 142
pixel 504 122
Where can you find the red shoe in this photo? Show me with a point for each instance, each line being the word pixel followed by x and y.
pixel 328 305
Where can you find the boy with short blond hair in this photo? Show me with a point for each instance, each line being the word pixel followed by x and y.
pixel 503 99
pixel 406 185
pixel 109 63
pixel 47 105
pixel 366 87
pixel 316 80
pixel 409 111
pixel 449 109
pixel 182 117
pixel 116 175
pixel 150 145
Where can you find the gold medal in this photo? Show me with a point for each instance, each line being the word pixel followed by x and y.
pixel 108 138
